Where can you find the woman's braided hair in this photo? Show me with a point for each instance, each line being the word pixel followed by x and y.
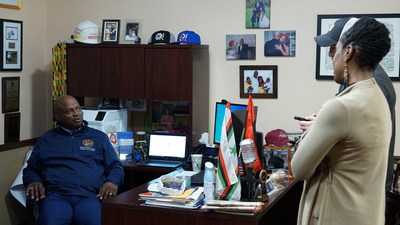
pixel 371 40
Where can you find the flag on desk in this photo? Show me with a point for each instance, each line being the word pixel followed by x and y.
pixel 250 131
pixel 228 182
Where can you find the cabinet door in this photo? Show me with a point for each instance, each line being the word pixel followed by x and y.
pixel 123 72
pixel 168 74
pixel 83 72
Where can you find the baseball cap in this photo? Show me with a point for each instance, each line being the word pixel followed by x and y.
pixel 161 37
pixel 188 37
pixel 332 36
pixel 277 137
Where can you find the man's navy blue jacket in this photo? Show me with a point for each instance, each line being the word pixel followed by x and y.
pixel 73 164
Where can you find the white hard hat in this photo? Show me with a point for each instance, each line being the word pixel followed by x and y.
pixel 86 32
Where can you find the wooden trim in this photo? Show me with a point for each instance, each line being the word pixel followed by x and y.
pixel 17 144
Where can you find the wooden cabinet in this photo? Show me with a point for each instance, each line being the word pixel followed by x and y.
pixel 153 72
pixel 168 73
pixel 105 71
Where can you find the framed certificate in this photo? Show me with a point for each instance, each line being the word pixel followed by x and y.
pixel 10 94
pixel 12 125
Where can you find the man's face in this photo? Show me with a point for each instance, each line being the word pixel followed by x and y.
pixel 69 113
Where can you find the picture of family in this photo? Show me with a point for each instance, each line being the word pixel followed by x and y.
pixel 258 82
pixel 241 46
pixel 279 43
pixel 258 13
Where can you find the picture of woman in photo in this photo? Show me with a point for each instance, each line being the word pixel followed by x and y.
pixel 231 52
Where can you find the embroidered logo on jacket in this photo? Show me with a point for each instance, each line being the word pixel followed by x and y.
pixel 87 145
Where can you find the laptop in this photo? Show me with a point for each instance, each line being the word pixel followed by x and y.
pixel 166 150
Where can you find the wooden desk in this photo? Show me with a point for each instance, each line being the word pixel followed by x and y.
pixel 138 175
pixel 125 208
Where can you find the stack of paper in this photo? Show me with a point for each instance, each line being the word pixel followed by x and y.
pixel 192 198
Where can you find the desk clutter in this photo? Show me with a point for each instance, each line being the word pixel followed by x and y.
pixel 174 191
pixel 187 190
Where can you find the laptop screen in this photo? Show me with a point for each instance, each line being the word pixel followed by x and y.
pixel 166 146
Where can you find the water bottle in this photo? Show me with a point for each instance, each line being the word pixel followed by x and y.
pixel 209 182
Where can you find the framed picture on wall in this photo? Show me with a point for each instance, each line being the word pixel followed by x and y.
pixel 240 46
pixel 258 14
pixel 390 63
pixel 12 4
pixel 280 43
pixel 11 42
pixel 10 94
pixel 110 31
pixel 131 32
pixel 259 81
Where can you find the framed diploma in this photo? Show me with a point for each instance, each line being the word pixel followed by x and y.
pixel 10 95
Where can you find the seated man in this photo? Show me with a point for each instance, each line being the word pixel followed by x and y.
pixel 72 168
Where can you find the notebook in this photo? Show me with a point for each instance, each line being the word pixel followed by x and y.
pixel 166 150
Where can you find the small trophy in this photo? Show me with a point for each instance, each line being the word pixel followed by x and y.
pixel 263 191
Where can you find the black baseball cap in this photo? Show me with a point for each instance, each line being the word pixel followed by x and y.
pixel 333 35
pixel 161 37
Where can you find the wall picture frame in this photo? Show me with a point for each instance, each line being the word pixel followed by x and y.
pixel 258 14
pixel 259 81
pixel 11 4
pixel 12 127
pixel 11 42
pixel 10 94
pixel 240 46
pixel 280 43
pixel 390 63
pixel 131 32
pixel 110 31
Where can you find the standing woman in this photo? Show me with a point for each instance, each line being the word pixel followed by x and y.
pixel 343 156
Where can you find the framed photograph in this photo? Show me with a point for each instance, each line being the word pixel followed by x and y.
pixel 11 42
pixel 390 63
pixel 240 46
pixel 258 14
pixel 259 81
pixel 12 4
pixel 280 43
pixel 131 32
pixel 110 31
pixel 10 94
pixel 12 127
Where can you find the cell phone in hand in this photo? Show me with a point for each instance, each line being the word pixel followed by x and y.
pixel 300 118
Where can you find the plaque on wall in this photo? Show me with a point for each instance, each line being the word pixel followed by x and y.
pixel 10 95
pixel 12 127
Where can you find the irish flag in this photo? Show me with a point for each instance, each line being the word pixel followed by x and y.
pixel 228 183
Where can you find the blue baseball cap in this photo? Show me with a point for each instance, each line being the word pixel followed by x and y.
pixel 188 37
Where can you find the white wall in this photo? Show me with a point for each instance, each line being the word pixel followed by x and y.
pixel 299 92
pixel 46 22
pixel 34 81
